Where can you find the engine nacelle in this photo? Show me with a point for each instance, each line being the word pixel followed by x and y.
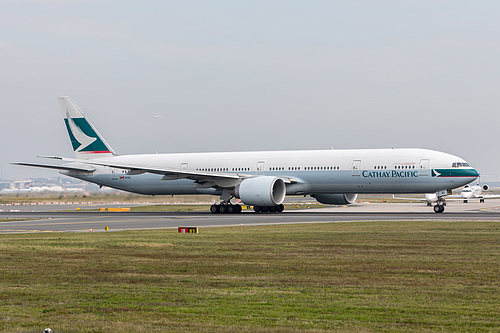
pixel 485 187
pixel 335 199
pixel 264 191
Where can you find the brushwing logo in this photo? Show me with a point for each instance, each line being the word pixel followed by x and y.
pixel 83 139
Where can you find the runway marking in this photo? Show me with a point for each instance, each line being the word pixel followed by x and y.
pixel 29 231
pixel 84 222
pixel 490 209
pixel 90 222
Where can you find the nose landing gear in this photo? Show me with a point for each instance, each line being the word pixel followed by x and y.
pixel 439 207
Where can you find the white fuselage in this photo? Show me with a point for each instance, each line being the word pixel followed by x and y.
pixel 310 172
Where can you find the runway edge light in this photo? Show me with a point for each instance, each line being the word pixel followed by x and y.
pixel 188 230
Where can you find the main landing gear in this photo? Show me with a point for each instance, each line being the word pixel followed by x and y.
pixel 224 208
pixel 272 209
pixel 229 208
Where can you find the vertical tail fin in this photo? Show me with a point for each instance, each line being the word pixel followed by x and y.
pixel 85 139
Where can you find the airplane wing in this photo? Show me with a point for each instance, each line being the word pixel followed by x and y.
pixel 86 165
pixel 434 198
pixel 458 199
pixel 63 167
pixel 174 173
pixel 455 197
pixel 208 179
pixel 452 198
pixel 203 178
pixel 488 196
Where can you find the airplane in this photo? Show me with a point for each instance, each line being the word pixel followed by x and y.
pixel 467 193
pixel 475 192
pixel 261 179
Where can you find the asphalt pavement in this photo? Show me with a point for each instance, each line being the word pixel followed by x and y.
pixel 47 218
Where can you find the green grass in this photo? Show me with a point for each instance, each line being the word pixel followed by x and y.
pixel 357 277
pixel 10 219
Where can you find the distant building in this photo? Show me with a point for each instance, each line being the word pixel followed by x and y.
pixel 61 185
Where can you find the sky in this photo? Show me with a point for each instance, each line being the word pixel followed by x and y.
pixel 251 75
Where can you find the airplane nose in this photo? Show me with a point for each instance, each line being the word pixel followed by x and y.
pixel 474 173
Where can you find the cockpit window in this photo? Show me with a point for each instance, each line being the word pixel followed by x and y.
pixel 460 164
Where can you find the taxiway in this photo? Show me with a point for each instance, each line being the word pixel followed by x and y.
pixel 42 220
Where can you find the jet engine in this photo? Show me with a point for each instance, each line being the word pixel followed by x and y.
pixel 264 191
pixel 485 187
pixel 335 199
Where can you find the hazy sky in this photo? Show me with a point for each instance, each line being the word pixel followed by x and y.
pixel 251 75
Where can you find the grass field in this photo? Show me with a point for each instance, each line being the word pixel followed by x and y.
pixel 355 277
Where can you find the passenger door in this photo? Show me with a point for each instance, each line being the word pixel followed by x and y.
pixel 423 167
pixel 260 167
pixel 356 168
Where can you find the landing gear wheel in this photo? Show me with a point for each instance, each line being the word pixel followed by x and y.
pixel 214 209
pixel 438 208
pixel 225 209
pixel 270 209
pixel 234 209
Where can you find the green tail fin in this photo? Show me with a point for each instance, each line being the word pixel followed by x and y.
pixel 85 139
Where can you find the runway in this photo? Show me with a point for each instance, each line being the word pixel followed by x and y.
pixel 33 221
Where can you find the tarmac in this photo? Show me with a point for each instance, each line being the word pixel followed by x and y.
pixel 38 218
